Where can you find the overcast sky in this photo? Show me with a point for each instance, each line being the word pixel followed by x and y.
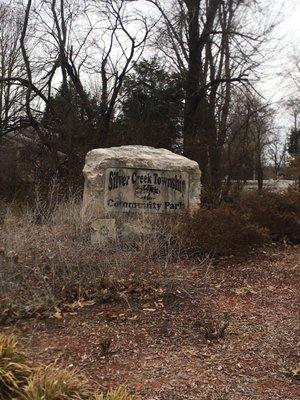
pixel 288 32
pixel 274 87
pixel 291 24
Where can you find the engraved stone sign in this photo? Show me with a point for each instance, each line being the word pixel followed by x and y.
pixel 134 190
pixel 123 183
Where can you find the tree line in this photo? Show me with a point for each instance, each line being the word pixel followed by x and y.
pixel 178 74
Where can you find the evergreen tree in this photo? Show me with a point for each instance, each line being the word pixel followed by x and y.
pixel 68 123
pixel 152 107
pixel 71 131
pixel 294 143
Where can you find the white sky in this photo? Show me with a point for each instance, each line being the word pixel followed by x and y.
pixel 291 23
pixel 274 87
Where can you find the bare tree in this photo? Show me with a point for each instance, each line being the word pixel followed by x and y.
pixel 293 107
pixel 277 152
pixel 215 45
pixel 121 49
pixel 292 75
pixel 12 110
pixel 251 133
pixel 62 41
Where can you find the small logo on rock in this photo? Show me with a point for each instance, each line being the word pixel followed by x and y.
pixel 147 192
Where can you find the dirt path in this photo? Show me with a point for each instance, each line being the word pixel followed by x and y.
pixel 158 346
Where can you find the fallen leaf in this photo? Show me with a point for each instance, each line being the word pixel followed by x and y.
pixel 84 303
pixel 193 353
pixel 57 314
pixel 133 318
pixel 296 372
pixel 244 290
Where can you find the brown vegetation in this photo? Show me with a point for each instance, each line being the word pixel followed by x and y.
pixel 48 261
pixel 19 380
pixel 278 213
pixel 157 351
pixel 250 221
pixel 49 269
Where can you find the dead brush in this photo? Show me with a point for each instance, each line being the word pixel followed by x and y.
pixel 212 328
pixel 156 238
pixel 53 383
pixel 14 371
pixel 45 265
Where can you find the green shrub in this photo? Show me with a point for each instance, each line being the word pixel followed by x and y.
pixel 14 370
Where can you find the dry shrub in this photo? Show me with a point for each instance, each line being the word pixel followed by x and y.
pixel 53 383
pixel 249 222
pixel 219 231
pixel 277 212
pixel 213 327
pixel 46 264
pixel 161 243
pixel 14 370
pixel 47 259
pixel 20 382
pixel 120 393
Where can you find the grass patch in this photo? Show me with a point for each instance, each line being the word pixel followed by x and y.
pixel 53 383
pixel 14 370
pixel 120 393
pixel 19 381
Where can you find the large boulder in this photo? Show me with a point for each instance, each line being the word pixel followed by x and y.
pixel 134 180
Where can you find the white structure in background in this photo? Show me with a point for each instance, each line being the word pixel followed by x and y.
pixel 275 185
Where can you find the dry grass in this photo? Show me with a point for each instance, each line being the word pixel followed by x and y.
pixel 44 264
pixel 116 394
pixel 14 370
pixel 47 259
pixel 53 383
pixel 19 381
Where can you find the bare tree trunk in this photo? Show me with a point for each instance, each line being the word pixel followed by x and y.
pixel 200 130
pixel 215 154
pixel 192 144
pixel 260 175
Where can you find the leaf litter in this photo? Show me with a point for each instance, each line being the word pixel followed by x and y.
pixel 151 343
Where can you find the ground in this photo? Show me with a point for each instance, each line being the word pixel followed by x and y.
pixel 153 340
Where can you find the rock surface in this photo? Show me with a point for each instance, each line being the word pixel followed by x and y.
pixel 137 180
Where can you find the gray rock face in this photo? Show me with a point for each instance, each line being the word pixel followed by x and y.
pixel 135 180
